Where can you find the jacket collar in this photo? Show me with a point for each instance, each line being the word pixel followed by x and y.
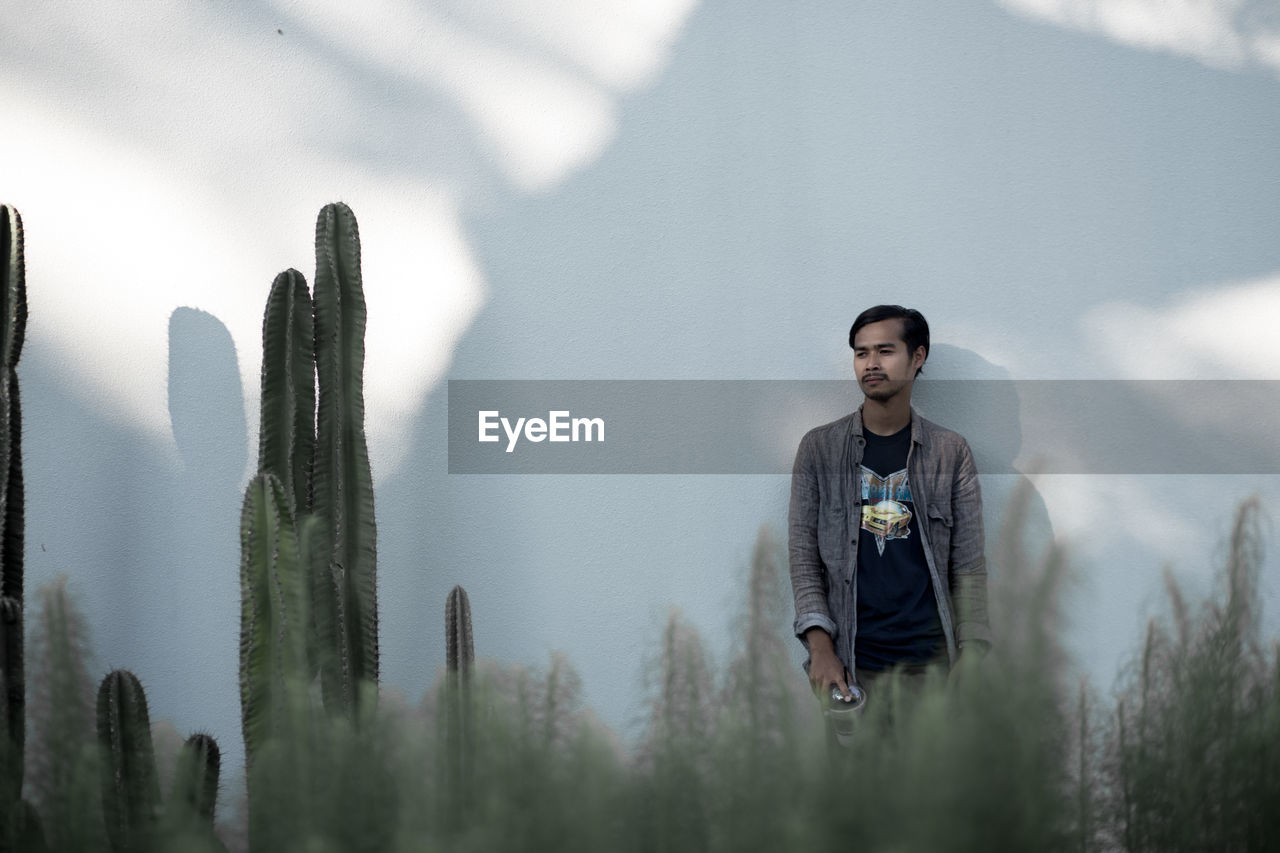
pixel 917 426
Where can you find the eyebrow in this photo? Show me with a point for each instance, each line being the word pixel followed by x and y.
pixel 878 345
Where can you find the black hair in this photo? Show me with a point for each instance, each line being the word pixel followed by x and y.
pixel 915 329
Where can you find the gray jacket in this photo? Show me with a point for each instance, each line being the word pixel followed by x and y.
pixel 826 515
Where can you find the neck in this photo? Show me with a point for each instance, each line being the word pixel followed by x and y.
pixel 885 417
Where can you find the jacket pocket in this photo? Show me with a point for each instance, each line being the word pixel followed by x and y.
pixel 940 534
pixel 831 537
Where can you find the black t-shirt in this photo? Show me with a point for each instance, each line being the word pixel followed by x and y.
pixel 898 618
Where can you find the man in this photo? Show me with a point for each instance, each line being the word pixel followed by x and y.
pixel 885 528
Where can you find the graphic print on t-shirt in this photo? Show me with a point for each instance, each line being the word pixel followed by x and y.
pixel 884 506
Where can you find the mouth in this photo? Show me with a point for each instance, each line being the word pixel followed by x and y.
pixel 874 378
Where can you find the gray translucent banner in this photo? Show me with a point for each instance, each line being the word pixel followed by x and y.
pixel 753 426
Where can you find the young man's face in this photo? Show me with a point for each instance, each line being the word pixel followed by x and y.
pixel 881 362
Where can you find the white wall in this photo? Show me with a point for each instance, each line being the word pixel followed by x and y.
pixel 582 189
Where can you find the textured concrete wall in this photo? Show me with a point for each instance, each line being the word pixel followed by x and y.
pixel 573 190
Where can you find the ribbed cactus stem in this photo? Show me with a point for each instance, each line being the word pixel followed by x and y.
pixel 287 435
pixel 273 666
pixel 13 325
pixel 12 543
pixel 195 784
pixel 12 703
pixel 13 285
pixel 13 322
pixel 130 791
pixel 458 717
pixel 343 482
pixel 460 651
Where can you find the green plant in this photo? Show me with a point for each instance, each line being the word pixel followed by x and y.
pixel 273 665
pixel 16 819
pixel 130 790
pixel 286 437
pixel 315 444
pixel 136 821
pixel 343 483
pixel 195 783
pixel 460 648
pixel 190 808
pixel 1197 732
pixel 308 545
pixel 459 717
pixel 63 761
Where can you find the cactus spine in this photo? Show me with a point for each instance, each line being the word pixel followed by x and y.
pixel 130 791
pixel 13 323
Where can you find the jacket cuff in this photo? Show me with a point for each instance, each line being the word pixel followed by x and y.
pixel 969 631
pixel 805 621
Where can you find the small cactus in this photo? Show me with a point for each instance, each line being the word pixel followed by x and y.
pixel 460 651
pixel 459 716
pixel 130 790
pixel 188 816
pixel 195 784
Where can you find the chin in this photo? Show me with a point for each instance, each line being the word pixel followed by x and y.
pixel 880 394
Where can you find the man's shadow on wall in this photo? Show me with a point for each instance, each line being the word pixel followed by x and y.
pixel 984 407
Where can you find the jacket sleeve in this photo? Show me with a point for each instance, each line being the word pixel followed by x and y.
pixel 968 570
pixel 808 574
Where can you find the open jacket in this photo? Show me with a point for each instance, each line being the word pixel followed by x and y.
pixel 826 516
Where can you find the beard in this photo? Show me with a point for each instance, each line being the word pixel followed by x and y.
pixel 886 390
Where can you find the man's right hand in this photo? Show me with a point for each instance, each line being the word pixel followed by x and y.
pixel 825 668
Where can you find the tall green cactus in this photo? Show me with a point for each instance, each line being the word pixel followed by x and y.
pixel 317 448
pixel 130 790
pixel 459 716
pixel 273 666
pixel 13 290
pixel 343 481
pixel 13 322
pixel 287 436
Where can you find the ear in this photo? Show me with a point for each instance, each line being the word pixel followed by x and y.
pixel 918 357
